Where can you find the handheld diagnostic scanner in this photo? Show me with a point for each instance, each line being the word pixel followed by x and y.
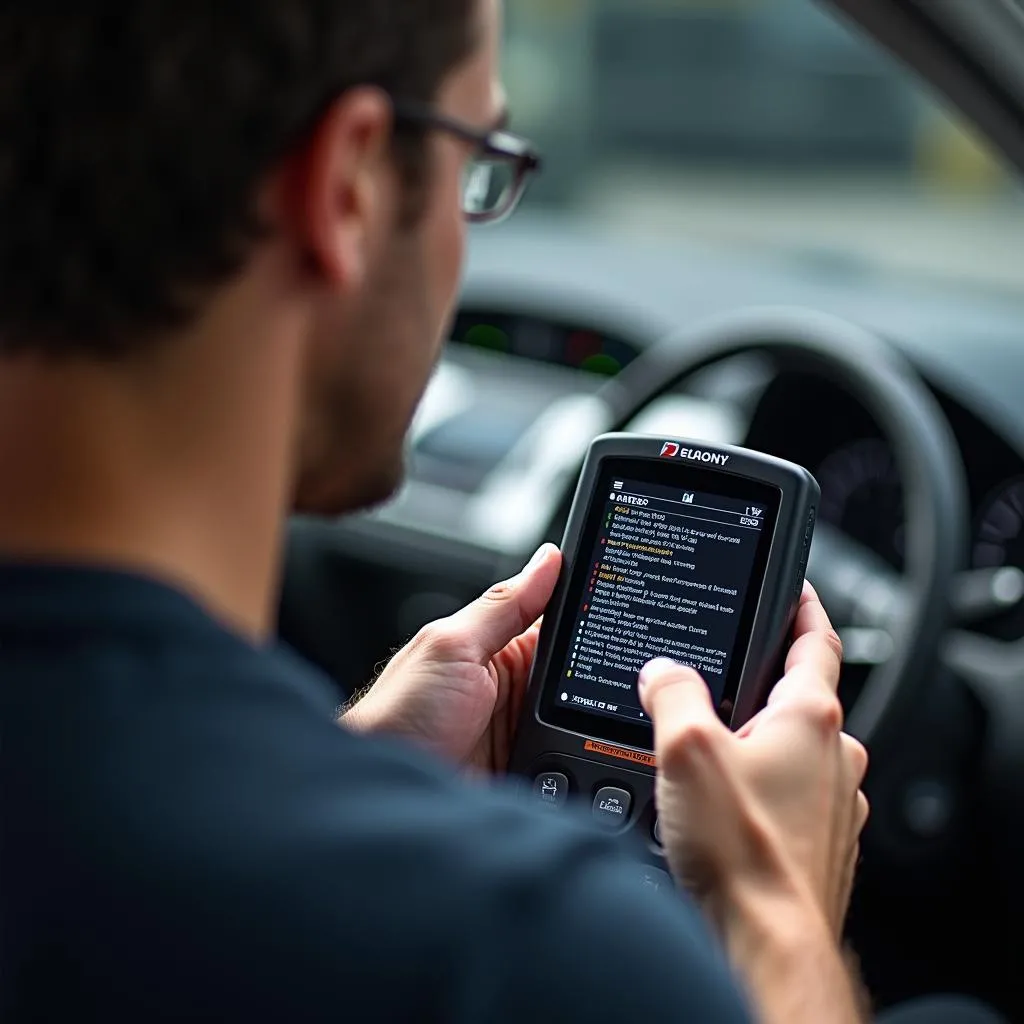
pixel 673 549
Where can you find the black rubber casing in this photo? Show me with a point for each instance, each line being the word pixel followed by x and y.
pixel 591 763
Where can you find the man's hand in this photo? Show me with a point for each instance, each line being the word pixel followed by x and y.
pixel 766 821
pixel 457 688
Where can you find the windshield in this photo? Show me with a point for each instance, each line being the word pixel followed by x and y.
pixel 762 124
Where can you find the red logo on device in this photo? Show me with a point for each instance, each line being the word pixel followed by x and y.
pixel 669 450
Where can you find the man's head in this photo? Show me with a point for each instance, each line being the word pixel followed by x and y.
pixel 163 161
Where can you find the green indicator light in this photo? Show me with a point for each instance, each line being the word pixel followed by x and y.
pixel 609 366
pixel 487 336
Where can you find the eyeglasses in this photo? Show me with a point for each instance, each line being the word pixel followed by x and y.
pixel 496 177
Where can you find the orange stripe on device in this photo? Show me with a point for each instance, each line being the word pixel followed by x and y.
pixel 622 753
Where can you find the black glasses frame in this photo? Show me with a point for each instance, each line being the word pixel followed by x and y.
pixel 495 143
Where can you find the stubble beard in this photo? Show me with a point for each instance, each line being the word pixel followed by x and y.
pixel 354 456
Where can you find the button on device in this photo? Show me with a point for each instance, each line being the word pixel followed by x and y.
pixel 808 537
pixel 811 516
pixel 611 806
pixel 551 788
pixel 805 554
pixel 657 831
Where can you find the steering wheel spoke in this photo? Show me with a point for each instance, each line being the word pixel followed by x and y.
pixel 867 646
pixel 856 586
pixel 862 594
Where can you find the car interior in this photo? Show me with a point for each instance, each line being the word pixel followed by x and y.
pixel 794 227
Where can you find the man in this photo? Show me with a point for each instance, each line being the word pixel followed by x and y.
pixel 231 244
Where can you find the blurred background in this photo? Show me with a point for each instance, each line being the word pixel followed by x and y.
pixel 758 124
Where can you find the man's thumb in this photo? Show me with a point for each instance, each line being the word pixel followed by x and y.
pixel 508 609
pixel 671 692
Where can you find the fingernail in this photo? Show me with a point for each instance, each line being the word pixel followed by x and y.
pixel 654 670
pixel 539 555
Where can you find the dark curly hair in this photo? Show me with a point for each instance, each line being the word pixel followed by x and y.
pixel 135 133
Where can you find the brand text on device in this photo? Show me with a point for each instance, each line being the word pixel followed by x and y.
pixel 670 449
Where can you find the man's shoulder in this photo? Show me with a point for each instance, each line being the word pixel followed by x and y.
pixel 426 897
pixel 360 864
pixel 229 850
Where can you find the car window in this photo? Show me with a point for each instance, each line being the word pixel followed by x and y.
pixel 761 124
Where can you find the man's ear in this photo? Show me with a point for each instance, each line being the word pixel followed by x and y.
pixel 340 186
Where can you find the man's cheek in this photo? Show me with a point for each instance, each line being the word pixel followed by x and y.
pixel 450 267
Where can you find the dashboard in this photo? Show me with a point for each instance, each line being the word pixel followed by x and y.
pixel 554 343
pixel 501 374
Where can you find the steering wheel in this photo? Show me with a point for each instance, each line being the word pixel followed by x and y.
pixel 927 459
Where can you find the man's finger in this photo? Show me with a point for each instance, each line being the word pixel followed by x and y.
pixel 698 787
pixel 665 683
pixel 815 659
pixel 679 704
pixel 508 609
pixel 812 621
pixel 855 756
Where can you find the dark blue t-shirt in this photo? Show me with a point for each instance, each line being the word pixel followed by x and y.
pixel 187 834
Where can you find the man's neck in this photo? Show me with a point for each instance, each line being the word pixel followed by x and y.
pixel 177 469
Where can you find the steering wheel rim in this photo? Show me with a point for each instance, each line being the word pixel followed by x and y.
pixel 924 448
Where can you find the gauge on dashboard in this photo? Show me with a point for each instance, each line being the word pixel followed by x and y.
pixel 861 495
pixel 544 341
pixel 999 544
